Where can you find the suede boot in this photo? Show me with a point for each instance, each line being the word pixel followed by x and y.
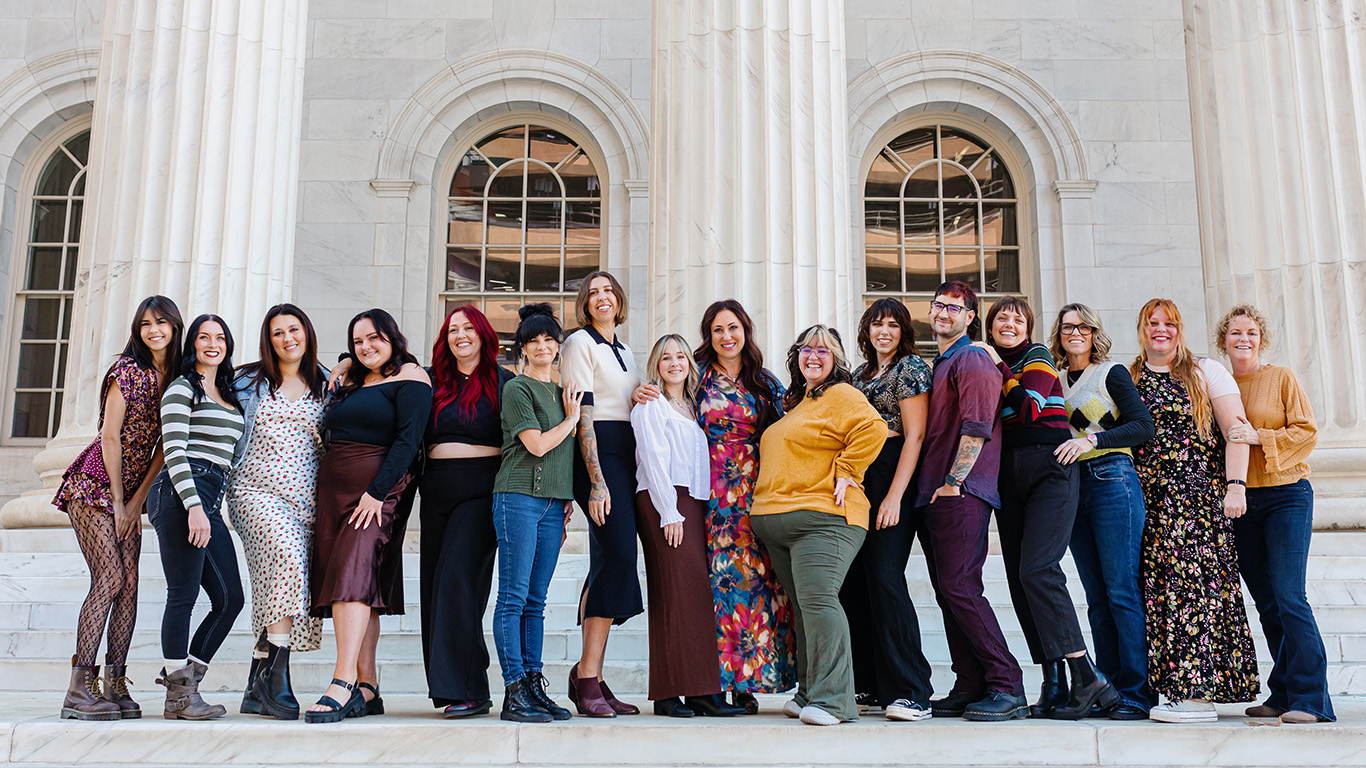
pixel 183 701
pixel 117 691
pixel 84 700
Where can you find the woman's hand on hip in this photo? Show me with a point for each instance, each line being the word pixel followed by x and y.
pixel 843 484
pixel 367 511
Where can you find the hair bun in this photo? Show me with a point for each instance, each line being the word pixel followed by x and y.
pixel 531 310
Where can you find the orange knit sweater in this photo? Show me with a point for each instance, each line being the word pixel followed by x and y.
pixel 1278 407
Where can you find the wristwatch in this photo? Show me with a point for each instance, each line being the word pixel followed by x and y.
pixel 952 481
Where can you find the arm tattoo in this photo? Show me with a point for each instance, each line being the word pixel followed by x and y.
pixel 968 450
pixel 588 447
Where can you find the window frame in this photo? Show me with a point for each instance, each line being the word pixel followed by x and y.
pixel 19 267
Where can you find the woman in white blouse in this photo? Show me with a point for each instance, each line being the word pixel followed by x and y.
pixel 673 475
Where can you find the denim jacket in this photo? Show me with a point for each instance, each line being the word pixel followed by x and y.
pixel 249 397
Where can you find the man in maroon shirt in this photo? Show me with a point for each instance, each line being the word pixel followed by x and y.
pixel 956 492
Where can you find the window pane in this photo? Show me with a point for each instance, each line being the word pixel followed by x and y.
pixel 66 317
pixel 542 182
pixel 543 223
pixel 884 178
pixel 502 269
pixel 924 182
pixel 914 147
pixel 580 180
pixel 960 147
pixel 584 222
pixel 549 146
pixel 991 173
pixel 36 364
pixel 79 146
pixel 880 222
pixel 466 223
pixel 505 223
pixel 502 315
pixel 960 224
pixel 31 414
pixel 962 264
pixel 56 412
pixel 69 276
pixel 508 182
pixel 470 179
pixel 998 224
pixel 504 145
pixel 922 269
pixel 49 221
pixel 920 318
pixel 73 232
pixel 57 176
pixel 958 184
pixel 44 269
pixel 921 224
pixel 60 381
pixel 1003 270
pixel 41 318
pixel 462 269
pixel 883 271
pixel 578 263
pixel 542 269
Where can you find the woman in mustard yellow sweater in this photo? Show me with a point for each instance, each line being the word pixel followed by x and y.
pixel 812 515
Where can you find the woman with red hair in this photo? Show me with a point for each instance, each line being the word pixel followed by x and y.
pixel 464 440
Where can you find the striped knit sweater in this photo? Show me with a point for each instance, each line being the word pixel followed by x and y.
pixel 1034 412
pixel 189 430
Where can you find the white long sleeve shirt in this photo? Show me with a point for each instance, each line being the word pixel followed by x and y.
pixel 671 452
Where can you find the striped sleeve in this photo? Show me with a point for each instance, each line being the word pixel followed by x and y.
pixel 1033 395
pixel 176 406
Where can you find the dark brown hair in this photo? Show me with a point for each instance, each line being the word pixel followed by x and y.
pixel 753 377
pixel 137 350
pixel 1017 305
pixel 387 328
pixel 267 368
pixel 839 370
pixel 581 312
pixel 880 310
pixel 961 290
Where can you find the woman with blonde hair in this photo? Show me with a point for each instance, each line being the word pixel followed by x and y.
pixel 1200 647
pixel 673 472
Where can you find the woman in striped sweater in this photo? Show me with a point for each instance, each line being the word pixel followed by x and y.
pixel 1038 505
pixel 200 425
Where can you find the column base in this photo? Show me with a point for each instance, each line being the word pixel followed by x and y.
pixel 34 508
pixel 1339 478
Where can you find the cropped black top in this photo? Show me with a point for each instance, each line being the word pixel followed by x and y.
pixel 483 427
pixel 391 413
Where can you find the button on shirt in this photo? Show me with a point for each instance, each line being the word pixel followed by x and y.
pixel 964 400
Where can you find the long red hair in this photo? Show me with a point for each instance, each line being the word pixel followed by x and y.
pixel 448 385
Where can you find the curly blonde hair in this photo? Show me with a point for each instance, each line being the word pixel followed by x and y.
pixel 1251 313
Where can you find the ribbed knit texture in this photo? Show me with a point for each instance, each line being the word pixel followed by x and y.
pixel 1278 407
pixel 533 404
pixel 1034 411
pixel 190 430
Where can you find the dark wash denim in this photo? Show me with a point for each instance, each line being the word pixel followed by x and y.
pixel 529 532
pixel 1106 538
pixel 187 567
pixel 1273 552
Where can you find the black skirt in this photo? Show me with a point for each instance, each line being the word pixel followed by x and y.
pixel 612 589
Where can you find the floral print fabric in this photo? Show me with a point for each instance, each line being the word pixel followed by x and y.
pixel 86 480
pixel 1199 643
pixel 755 635
pixel 908 377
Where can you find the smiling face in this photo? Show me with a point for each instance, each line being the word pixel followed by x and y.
pixel 155 331
pixel 674 364
pixel 727 337
pixel 1160 335
pixel 816 362
pixel 371 349
pixel 1075 335
pixel 540 352
pixel 210 344
pixel 463 339
pixel 950 316
pixel 1009 329
pixel 603 302
pixel 885 334
pixel 288 339
pixel 1243 342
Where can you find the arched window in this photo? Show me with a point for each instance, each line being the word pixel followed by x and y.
pixel 524 224
pixel 44 303
pixel 939 204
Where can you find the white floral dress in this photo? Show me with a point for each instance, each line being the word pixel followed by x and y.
pixel 272 505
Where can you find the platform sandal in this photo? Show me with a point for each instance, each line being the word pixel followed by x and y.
pixel 374 706
pixel 354 706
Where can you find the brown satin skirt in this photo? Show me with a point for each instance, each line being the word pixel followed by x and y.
pixel 681 612
pixel 350 565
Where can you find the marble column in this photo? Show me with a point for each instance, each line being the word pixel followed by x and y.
pixel 1279 112
pixel 194 174
pixel 749 187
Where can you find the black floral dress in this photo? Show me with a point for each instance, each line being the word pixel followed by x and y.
pixel 1199 644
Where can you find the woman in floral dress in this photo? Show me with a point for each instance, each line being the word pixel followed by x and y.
pixel 736 400
pixel 1200 646
pixel 271 501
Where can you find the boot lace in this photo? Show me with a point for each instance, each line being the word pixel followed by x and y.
pixel 119 685
pixel 93 685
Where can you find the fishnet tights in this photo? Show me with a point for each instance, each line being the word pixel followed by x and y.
pixel 113 585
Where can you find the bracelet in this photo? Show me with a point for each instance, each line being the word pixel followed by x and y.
pixel 1236 482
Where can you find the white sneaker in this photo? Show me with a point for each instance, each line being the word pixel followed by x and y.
pixel 792 709
pixel 910 711
pixel 1189 711
pixel 817 716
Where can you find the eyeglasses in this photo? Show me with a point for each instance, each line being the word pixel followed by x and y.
pixel 819 352
pixel 952 309
pixel 1068 329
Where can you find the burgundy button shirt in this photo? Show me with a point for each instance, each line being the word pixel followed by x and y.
pixel 964 400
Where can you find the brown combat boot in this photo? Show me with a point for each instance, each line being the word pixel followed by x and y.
pixel 183 701
pixel 83 697
pixel 116 691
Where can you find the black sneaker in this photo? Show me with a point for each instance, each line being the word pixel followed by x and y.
pixel 1122 711
pixel 955 704
pixel 867 703
pixel 909 711
pixel 997 706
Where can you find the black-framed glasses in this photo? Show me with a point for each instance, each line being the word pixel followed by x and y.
pixel 1069 329
pixel 952 309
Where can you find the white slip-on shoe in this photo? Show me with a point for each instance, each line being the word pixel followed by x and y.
pixel 1188 711
pixel 909 711
pixel 817 716
pixel 792 709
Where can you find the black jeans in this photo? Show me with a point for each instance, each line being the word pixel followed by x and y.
pixel 1038 507
pixel 187 567
pixel 883 628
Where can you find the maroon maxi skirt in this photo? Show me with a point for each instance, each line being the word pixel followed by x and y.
pixel 681 613
pixel 365 565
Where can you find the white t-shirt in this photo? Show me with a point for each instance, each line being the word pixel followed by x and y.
pixel 1218 381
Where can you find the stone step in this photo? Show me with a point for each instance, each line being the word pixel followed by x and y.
pixel 412 734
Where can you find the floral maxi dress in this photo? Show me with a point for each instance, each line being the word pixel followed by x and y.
pixel 272 506
pixel 755 635
pixel 1199 643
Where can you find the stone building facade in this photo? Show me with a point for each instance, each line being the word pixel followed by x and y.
pixel 803 156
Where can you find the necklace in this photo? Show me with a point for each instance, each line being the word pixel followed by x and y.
pixel 682 407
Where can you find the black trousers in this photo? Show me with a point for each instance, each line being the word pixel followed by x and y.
pixel 884 631
pixel 1038 507
pixel 456 565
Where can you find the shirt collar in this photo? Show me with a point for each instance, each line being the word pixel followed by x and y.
pixel 615 344
pixel 963 341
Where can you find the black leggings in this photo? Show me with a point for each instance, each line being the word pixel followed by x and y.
pixel 113 594
pixel 187 567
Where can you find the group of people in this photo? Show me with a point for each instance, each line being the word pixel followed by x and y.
pixel 776 518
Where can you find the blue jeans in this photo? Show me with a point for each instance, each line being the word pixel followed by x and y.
pixel 1106 538
pixel 1273 553
pixel 529 531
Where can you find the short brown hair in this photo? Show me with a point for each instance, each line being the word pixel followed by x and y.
pixel 1017 305
pixel 581 303
pixel 1251 313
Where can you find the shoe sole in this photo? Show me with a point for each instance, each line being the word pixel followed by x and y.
pixel 174 716
pixel 908 716
pixel 1201 717
pixel 473 712
pixel 1019 713
pixel 76 714
pixel 130 714
pixel 522 719
pixel 251 707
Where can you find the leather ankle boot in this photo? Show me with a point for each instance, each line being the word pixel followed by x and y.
pixel 273 689
pixel 536 685
pixel 250 704
pixel 116 691
pixel 1053 694
pixel 84 700
pixel 183 701
pixel 1089 689
pixel 519 706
